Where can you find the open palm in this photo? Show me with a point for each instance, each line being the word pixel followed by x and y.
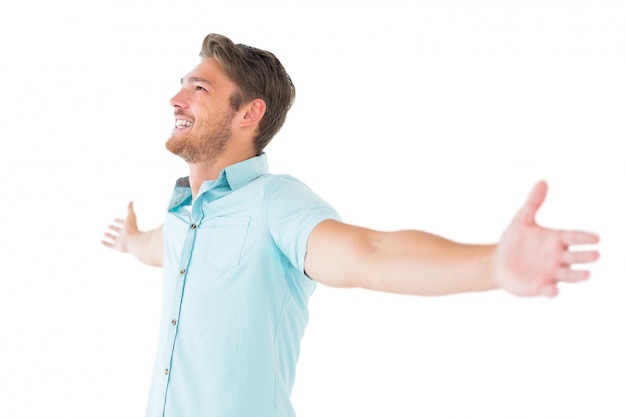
pixel 532 260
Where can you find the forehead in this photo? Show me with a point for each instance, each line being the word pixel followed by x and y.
pixel 211 72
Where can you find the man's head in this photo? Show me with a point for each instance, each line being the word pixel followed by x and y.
pixel 256 74
pixel 234 88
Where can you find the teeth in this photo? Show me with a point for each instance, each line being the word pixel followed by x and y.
pixel 182 123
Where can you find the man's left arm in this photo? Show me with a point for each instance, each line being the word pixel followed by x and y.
pixel 529 260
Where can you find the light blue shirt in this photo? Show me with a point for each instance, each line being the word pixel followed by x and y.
pixel 235 294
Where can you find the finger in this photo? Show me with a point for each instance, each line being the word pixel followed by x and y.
pixel 528 211
pixel 111 236
pixel 107 244
pixel 115 228
pixel 575 237
pixel 565 274
pixel 579 257
pixel 120 221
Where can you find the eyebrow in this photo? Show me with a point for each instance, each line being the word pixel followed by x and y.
pixel 192 79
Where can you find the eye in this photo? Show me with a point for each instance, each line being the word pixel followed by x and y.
pixel 200 88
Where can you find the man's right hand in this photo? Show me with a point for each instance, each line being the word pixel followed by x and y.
pixel 121 230
pixel 124 236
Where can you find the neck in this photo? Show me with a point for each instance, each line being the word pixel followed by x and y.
pixel 206 171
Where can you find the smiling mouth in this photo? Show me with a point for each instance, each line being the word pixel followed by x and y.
pixel 181 124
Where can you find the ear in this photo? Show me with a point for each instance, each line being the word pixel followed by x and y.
pixel 254 112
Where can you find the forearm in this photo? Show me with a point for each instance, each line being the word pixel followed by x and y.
pixel 147 246
pixel 414 262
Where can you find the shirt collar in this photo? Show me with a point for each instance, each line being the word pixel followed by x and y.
pixel 234 176
pixel 241 173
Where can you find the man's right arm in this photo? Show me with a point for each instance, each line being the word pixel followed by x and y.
pixel 124 236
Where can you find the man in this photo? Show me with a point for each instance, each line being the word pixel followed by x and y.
pixel 242 250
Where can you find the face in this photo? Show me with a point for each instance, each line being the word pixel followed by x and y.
pixel 203 115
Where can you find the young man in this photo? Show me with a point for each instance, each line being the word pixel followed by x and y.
pixel 242 250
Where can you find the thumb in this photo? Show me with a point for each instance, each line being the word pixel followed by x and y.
pixel 130 216
pixel 536 197
pixel 131 208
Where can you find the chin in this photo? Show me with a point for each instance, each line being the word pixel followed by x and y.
pixel 173 145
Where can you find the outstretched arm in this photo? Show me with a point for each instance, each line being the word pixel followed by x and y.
pixel 529 260
pixel 124 236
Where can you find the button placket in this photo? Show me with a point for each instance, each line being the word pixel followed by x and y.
pixel 173 324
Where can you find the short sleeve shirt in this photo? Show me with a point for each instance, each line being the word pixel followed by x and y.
pixel 235 294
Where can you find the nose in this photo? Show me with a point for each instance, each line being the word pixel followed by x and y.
pixel 179 100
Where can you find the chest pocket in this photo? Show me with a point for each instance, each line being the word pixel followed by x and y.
pixel 225 237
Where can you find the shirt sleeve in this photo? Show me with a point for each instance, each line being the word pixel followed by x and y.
pixel 293 210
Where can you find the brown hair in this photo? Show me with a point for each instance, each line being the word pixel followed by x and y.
pixel 257 74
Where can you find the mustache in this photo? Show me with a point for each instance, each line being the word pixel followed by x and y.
pixel 181 113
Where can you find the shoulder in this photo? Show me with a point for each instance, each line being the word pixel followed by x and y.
pixel 284 186
pixel 285 180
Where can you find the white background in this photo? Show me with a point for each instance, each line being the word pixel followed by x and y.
pixel 437 116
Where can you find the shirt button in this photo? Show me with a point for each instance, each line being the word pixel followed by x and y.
pixel 167 371
pixel 182 271
pixel 193 226
pixel 174 322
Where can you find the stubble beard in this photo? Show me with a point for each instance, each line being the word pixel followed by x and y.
pixel 203 144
